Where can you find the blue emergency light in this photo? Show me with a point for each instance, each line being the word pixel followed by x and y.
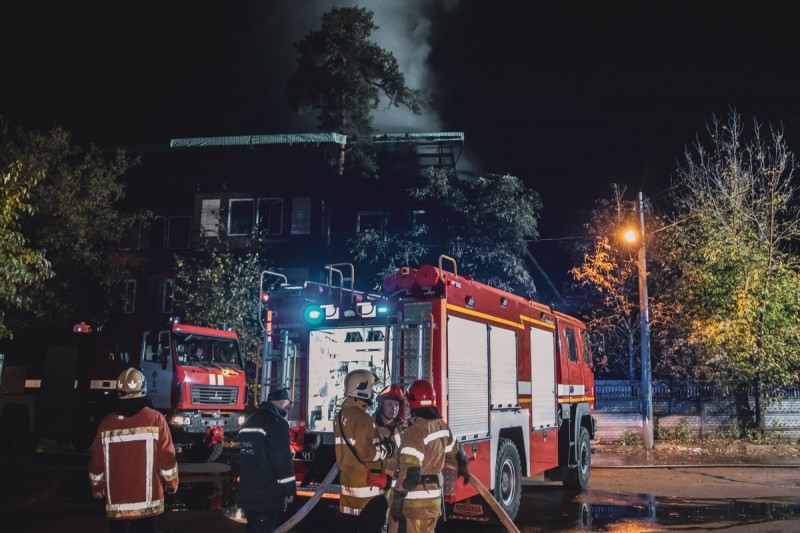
pixel 313 314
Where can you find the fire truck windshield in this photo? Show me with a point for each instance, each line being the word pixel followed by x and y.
pixel 333 352
pixel 200 350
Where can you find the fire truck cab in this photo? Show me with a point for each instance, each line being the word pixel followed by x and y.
pixel 514 378
pixel 59 384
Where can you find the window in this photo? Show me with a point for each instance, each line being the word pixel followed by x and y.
pixel 167 295
pixel 241 214
pixel 572 345
pixel 154 234
pixel 301 215
pixel 326 223
pixel 270 216
pixel 209 218
pixel 129 296
pixel 178 230
pixel 587 352
pixel 373 220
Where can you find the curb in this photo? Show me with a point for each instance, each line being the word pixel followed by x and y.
pixel 711 465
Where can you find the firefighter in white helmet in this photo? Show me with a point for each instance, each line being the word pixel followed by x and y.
pixel 359 453
pixel 426 445
pixel 133 460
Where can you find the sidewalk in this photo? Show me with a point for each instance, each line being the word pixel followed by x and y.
pixel 616 454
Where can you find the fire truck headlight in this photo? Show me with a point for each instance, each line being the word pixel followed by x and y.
pixel 313 314
pixel 179 420
pixel 240 419
pixel 382 309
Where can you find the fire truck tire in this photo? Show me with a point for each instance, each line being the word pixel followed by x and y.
pixel 199 453
pixel 578 476
pixel 508 477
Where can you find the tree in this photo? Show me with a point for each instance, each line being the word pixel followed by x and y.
pixel 484 223
pixel 75 222
pixel 606 280
pixel 343 75
pixel 219 285
pixel 20 265
pixel 606 290
pixel 739 278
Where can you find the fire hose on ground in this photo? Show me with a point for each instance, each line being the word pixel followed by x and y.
pixel 306 508
pixel 326 483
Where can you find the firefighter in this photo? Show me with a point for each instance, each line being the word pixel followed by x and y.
pixel 426 446
pixel 359 456
pixel 390 425
pixel 266 471
pixel 133 459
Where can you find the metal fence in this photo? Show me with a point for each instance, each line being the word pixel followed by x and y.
pixel 682 391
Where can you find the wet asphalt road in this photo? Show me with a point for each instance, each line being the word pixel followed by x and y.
pixel 48 492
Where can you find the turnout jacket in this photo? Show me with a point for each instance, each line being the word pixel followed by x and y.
pixel 358 428
pixel 266 473
pixel 426 444
pixel 392 433
pixel 132 459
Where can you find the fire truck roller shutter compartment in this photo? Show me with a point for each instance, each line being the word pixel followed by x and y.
pixel 543 392
pixel 503 351
pixel 332 353
pixel 468 392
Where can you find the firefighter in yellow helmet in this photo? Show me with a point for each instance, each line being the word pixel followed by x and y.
pixel 133 460
pixel 359 456
pixel 426 445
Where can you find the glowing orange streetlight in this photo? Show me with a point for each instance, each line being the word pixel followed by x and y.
pixel 632 236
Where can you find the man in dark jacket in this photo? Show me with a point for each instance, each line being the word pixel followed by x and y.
pixel 266 474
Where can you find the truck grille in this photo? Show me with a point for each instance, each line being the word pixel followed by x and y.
pixel 214 395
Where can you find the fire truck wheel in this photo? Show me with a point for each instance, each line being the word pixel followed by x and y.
pixel 507 481
pixel 578 476
pixel 199 453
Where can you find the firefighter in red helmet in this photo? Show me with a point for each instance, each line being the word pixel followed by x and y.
pixel 390 425
pixel 425 447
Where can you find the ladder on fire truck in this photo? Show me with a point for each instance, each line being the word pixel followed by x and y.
pixel 413 345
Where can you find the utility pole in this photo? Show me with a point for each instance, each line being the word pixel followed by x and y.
pixel 644 316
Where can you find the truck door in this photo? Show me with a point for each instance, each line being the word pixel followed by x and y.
pixel 157 366
pixel 574 385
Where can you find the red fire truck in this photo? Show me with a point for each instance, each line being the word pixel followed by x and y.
pixel 514 378
pixel 59 384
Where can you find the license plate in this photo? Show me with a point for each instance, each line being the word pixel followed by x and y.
pixel 213 422
pixel 304 455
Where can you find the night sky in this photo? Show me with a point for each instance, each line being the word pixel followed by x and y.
pixel 569 96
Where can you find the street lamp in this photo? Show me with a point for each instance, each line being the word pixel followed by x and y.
pixel 644 324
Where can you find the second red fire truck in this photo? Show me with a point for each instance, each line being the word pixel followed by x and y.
pixel 514 378
pixel 58 384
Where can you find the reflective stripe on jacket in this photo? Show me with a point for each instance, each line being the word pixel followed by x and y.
pixel 426 445
pixel 359 428
pixel 132 460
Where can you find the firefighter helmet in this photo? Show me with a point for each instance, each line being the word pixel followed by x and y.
pixel 392 392
pixel 421 394
pixel 131 384
pixel 359 384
